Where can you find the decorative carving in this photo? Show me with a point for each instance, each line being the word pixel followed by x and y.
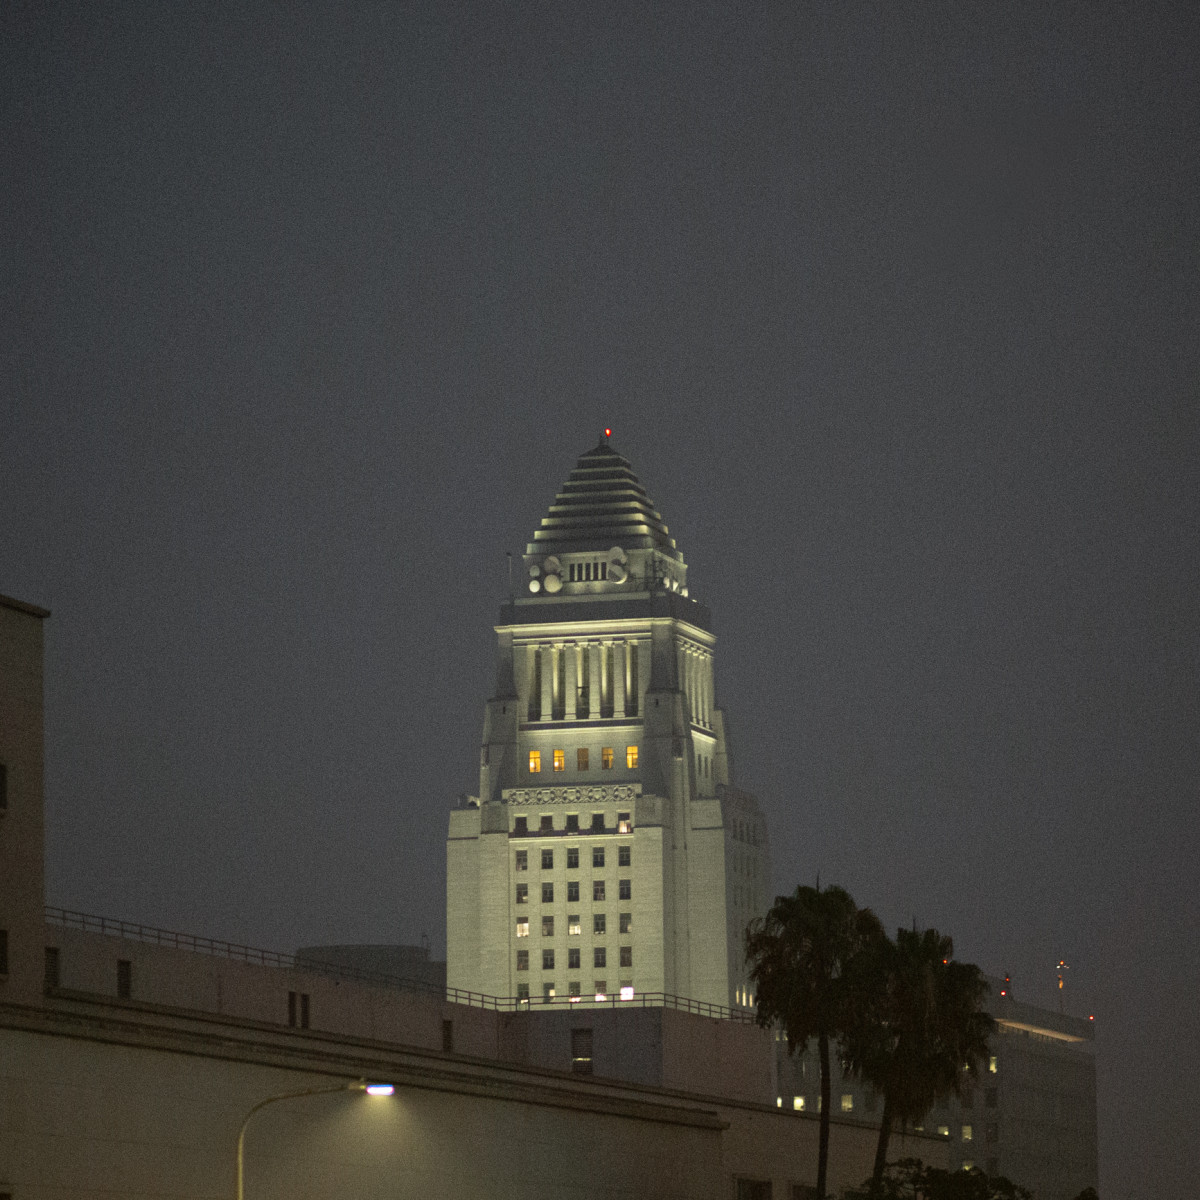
pixel 606 794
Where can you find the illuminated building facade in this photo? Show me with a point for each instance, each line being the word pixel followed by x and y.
pixel 608 851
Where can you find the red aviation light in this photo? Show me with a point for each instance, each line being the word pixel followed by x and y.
pixel 607 433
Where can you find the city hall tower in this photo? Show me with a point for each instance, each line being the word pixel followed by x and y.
pixel 608 852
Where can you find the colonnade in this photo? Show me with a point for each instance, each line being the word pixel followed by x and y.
pixel 696 679
pixel 587 680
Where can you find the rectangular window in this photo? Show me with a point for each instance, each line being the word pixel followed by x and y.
pixel 547 927
pixel 753 1189
pixel 574 928
pixel 547 860
pixel 625 889
pixel 968 1133
pixel 522 991
pixel 52 967
pixel 547 893
pixel 523 927
pixel 599 956
pixel 606 758
pixel 631 757
pixel 847 1102
pixel 573 890
pixel 535 762
pixel 624 856
pixel 124 978
pixel 601 989
pixel 798 1103
pixel 581 1051
pixel 560 760
pixel 573 959
pixel 3 951
pixel 597 822
pixel 522 960
pixel 598 923
pixel 521 825
pixel 522 893
pixel 547 992
pixel 626 922
pixel 624 824
pixel 303 1010
pixel 572 822
pixel 3 787
pixel 573 858
pixel 943 1130
pixel 597 856
pixel 597 889
pixel 546 825
pixel 522 862
pixel 627 956
pixel 547 960
pixel 448 1036
pixel 581 759
pixel 992 1065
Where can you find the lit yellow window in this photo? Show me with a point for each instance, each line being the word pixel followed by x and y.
pixel 992 1065
pixel 535 762
pixel 581 759
pixel 968 1133
pixel 798 1103
pixel 606 758
pixel 560 760
pixel 847 1102
pixel 631 757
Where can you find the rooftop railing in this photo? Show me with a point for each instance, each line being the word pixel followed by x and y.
pixel 217 947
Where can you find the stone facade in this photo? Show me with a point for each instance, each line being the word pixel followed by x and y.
pixel 608 850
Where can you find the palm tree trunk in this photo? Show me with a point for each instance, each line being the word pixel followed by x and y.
pixel 823 1142
pixel 885 1132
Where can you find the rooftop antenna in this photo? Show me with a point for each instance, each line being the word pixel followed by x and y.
pixel 508 555
pixel 1063 968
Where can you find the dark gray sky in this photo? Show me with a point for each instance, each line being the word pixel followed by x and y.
pixel 307 312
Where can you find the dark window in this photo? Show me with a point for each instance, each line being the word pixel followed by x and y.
pixel 572 859
pixel 547 860
pixel 624 856
pixel 522 991
pixel 581 1051
pixel 968 1098
pixel 124 978
pixel 3 786
pixel 991 1132
pixel 626 922
pixel 581 759
pixel 303 1010
pixel 3 951
pixel 547 893
pixel 292 1008
pixel 522 960
pixel 627 956
pixel 547 960
pixel 573 890
pixel 52 966
pixel 598 923
pixel 522 860
pixel 597 856
pixel 599 957
pixel 989 1098
pixel 522 893
pixel 753 1189
pixel 597 822
pixel 573 960
pixel 573 988
pixel 521 825
pixel 448 1035
pixel 625 889
pixel 573 823
pixel 547 824
pixel 597 889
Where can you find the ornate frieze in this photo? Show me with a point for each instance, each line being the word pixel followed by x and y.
pixel 600 794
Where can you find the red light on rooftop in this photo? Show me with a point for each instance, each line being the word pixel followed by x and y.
pixel 608 433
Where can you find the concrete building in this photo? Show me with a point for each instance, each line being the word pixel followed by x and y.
pixel 130 1056
pixel 608 850
pixel 1031 1116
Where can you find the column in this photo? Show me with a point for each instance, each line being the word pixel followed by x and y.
pixel 618 679
pixel 571 694
pixel 594 673
pixel 547 653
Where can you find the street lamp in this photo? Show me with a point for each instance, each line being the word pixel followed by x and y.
pixel 357 1085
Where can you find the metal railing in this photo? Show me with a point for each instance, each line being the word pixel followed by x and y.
pixel 133 931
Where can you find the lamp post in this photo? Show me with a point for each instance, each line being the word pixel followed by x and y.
pixel 357 1085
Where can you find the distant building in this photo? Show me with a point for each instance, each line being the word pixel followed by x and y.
pixel 608 851
pixel 1030 1116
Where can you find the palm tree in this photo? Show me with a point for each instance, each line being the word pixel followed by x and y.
pixel 919 1031
pixel 798 956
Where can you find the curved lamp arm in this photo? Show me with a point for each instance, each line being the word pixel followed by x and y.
pixel 358 1085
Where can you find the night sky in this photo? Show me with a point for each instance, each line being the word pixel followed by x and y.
pixel 308 311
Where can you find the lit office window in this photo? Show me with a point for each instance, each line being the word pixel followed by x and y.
pixel 535 762
pixel 601 990
pixel 798 1103
pixel 560 760
pixel 627 991
pixel 523 927
pixel 847 1102
pixel 943 1130
pixel 631 757
pixel 574 928
pixel 624 824
pixel 968 1133
pixel 992 1065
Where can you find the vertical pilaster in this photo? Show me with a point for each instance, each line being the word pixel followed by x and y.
pixel 594 678
pixel 618 674
pixel 570 687
pixel 548 673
